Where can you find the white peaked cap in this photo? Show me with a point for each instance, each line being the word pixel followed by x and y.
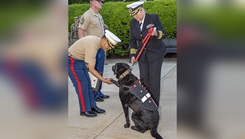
pixel 135 4
pixel 112 37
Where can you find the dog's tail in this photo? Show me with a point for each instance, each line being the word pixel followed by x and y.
pixel 155 134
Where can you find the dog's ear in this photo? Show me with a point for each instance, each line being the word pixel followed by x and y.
pixel 116 70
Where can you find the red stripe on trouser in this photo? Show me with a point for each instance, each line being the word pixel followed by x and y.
pixel 78 84
pixel 28 90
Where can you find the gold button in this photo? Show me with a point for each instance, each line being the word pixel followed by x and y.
pixel 140 34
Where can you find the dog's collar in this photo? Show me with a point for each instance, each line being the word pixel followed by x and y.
pixel 124 74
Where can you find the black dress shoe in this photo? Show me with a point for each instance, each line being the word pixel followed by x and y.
pixel 105 96
pixel 88 114
pixel 98 110
pixel 99 99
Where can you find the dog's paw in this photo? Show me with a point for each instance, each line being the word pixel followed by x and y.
pixel 137 129
pixel 134 128
pixel 127 125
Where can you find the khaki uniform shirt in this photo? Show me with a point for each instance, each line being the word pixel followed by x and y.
pixel 92 23
pixel 85 49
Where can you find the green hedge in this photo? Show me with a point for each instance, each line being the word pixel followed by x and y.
pixel 116 16
pixel 87 1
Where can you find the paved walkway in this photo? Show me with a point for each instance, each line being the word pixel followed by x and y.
pixel 111 124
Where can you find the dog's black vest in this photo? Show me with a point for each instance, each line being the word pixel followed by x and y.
pixel 139 91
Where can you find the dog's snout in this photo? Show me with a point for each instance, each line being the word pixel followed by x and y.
pixel 114 69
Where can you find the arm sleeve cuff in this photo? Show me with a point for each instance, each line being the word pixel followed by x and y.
pixel 132 51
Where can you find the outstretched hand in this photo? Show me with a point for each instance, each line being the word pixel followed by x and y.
pixel 108 80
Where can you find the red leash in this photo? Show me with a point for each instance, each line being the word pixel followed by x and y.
pixel 144 41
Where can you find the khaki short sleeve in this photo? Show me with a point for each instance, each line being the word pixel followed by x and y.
pixel 84 22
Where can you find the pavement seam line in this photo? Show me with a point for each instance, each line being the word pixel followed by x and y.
pixel 108 125
pixel 168 72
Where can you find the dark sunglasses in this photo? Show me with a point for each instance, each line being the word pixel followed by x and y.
pixel 100 1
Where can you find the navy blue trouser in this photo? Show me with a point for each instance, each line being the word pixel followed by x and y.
pixel 99 67
pixel 78 74
pixel 33 84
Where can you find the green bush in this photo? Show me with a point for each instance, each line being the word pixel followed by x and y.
pixel 116 16
pixel 87 1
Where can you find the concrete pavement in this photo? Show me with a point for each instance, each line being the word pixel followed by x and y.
pixel 111 124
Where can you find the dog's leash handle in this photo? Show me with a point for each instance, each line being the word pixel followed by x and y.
pixel 144 41
pixel 132 65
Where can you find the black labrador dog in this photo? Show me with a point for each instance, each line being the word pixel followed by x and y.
pixel 143 118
